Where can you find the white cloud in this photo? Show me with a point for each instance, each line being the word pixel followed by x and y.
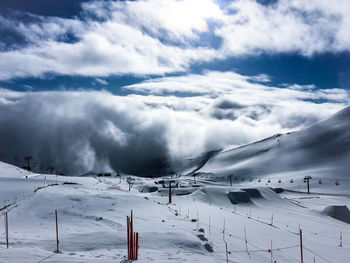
pixel 163 36
pixel 306 27
pixel 233 96
pixel 112 46
pixel 134 133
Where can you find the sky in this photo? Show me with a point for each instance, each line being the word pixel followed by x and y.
pixel 139 86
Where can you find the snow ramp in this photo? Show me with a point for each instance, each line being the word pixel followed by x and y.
pixel 237 197
pixel 340 212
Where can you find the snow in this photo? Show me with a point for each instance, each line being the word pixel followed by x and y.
pixel 249 216
pixel 321 151
pixel 92 222
pixel 8 170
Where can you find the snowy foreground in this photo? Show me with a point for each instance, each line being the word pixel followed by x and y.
pixel 92 219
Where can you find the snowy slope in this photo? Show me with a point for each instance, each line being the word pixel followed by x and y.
pixel 251 218
pixel 8 170
pixel 194 228
pixel 321 150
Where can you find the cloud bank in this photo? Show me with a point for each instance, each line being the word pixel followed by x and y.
pixel 146 134
pixel 165 36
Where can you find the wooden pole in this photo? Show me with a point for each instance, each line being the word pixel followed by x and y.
pixel 301 246
pixel 209 224
pixel 7 230
pixel 131 237
pixel 169 192
pixel 134 248
pixel 128 235
pixel 223 230
pixel 137 246
pixel 271 252
pixel 246 241
pixel 57 250
pixel 197 221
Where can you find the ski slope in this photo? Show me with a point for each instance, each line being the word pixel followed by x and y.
pixel 92 222
pixel 321 151
pixel 258 217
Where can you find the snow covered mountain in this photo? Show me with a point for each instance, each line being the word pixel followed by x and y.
pixel 208 221
pixel 322 149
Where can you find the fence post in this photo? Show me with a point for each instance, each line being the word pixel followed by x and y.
pixel 223 230
pixel 57 241
pixel 341 239
pixel 7 230
pixel 137 245
pixel 209 224
pixel 169 192
pixel 197 221
pixel 128 234
pixel 246 241
pixel 301 246
pixel 134 248
pixel 131 237
pixel 271 252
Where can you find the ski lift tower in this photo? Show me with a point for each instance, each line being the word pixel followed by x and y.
pixel 307 180
pixel 27 160
pixel 51 168
pixel 170 191
pixel 168 184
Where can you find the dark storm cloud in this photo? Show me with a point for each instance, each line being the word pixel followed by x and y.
pixel 76 132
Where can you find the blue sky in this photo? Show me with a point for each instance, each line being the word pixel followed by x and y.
pixel 326 66
pixel 215 73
